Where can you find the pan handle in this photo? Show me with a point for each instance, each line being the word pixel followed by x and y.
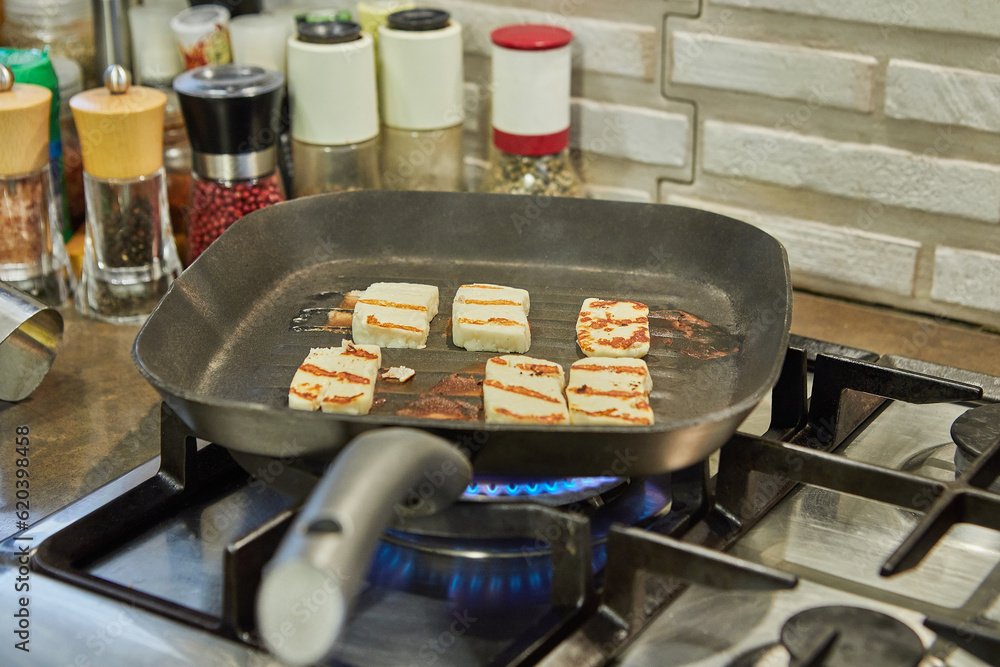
pixel 310 584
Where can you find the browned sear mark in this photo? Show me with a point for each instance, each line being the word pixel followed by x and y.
pixel 556 418
pixel 336 375
pixel 523 391
pixel 613 413
pixel 392 304
pixel 609 304
pixel 537 369
pixel 484 286
pixel 501 321
pixel 372 320
pixel 341 400
pixel 584 390
pixel 493 302
pixel 631 370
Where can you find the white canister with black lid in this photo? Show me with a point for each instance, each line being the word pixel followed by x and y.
pixel 334 106
pixel 421 99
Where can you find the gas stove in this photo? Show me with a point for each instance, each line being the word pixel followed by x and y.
pixel 842 525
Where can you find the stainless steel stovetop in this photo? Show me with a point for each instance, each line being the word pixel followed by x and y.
pixel 160 568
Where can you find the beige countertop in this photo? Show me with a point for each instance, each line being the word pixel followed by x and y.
pixel 94 417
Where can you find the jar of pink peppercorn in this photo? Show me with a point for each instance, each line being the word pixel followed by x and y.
pixel 233 116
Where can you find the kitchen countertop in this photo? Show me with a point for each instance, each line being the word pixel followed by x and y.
pixel 94 418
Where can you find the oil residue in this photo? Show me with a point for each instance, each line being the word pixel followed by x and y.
pixel 439 407
pixel 690 335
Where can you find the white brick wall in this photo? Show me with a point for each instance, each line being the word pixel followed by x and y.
pixel 943 95
pixel 974 17
pixel 609 47
pixel 967 277
pixel 844 254
pixel 832 78
pixel 635 133
pixel 859 171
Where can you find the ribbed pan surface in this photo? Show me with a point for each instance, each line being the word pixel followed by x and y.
pixel 224 343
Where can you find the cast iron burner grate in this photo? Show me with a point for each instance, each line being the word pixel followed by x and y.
pixel 754 474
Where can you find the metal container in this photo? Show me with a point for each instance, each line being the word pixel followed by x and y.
pixel 30 332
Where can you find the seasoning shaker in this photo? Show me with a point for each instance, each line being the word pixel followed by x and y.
pixel 531 115
pixel 129 257
pixel 202 35
pixel 421 100
pixel 233 117
pixel 32 255
pixel 334 107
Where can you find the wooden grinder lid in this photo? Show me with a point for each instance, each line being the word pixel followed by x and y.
pixel 24 125
pixel 120 127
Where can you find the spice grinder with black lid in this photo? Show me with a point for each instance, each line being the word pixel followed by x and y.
pixel 233 116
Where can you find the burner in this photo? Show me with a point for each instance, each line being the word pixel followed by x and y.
pixel 553 492
pixel 862 637
pixel 974 432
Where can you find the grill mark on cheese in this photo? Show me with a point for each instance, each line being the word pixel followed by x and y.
pixel 485 286
pixel 523 391
pixel 584 390
pixel 629 370
pixel 612 413
pixel 336 375
pixel 622 343
pixel 303 392
pixel 556 418
pixel 493 302
pixel 538 369
pixel 597 323
pixel 611 304
pixel 341 400
pixel 372 320
pixel 393 304
pixel 358 352
pixel 501 321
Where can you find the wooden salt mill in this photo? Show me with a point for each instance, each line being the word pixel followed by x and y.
pixel 129 256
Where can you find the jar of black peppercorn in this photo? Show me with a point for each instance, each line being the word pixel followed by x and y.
pixel 129 257
pixel 233 116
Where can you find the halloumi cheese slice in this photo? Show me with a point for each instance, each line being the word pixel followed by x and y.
pixel 491 318
pixel 524 390
pixel 609 391
pixel 336 379
pixel 613 328
pixel 394 314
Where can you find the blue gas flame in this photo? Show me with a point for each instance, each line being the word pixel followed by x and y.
pixel 535 488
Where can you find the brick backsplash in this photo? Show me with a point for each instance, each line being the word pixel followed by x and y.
pixel 863 135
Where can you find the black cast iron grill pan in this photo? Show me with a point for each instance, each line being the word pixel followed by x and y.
pixel 223 344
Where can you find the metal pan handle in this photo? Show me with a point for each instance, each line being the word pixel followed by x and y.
pixel 310 585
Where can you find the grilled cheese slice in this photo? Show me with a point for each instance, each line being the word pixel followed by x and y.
pixel 609 391
pixel 491 318
pixel 394 314
pixel 336 379
pixel 524 390
pixel 613 329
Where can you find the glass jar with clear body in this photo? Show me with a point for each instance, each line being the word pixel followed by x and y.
pixel 32 255
pixel 216 204
pixel 129 257
pixel 551 175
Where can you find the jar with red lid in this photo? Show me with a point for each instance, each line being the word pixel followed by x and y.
pixel 531 114
pixel 233 116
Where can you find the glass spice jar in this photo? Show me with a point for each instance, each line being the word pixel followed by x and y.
pixel 233 116
pixel 129 258
pixel 531 117
pixel 62 27
pixel 32 255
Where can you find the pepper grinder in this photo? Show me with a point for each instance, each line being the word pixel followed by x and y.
pixel 334 103
pixel 422 105
pixel 32 255
pixel 531 87
pixel 129 257
pixel 233 116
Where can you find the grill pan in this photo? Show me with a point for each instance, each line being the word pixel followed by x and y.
pixel 223 344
